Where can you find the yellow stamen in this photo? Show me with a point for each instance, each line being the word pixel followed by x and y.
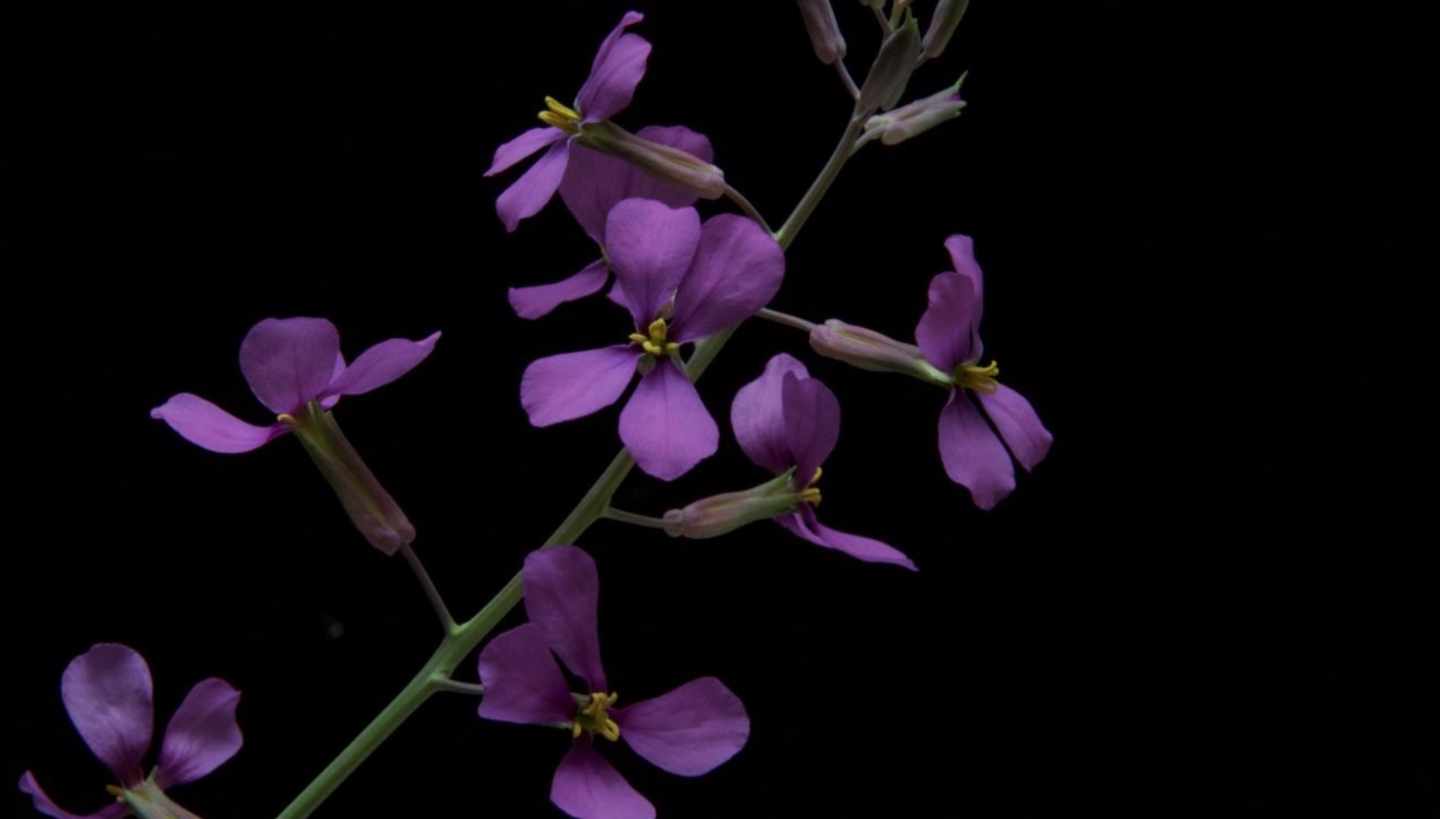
pixel 560 116
pixel 593 718
pixel 810 495
pixel 561 108
pixel 286 418
pixel 980 379
pixel 115 791
pixel 655 343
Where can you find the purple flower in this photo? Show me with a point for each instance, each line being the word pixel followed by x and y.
pixel 680 282
pixel 688 731
pixel 107 692
pixel 619 65
pixel 949 337
pixel 594 183
pixel 787 421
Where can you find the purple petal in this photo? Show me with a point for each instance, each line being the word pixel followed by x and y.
pixel 812 424
pixel 587 787
pixel 650 246
pixel 595 182
pixel 107 691
pixel 949 331
pixel 688 731
pixel 382 364
pixel 962 257
pixel 202 735
pixel 562 596
pixel 528 194
pixel 803 523
pixel 619 65
pixel 571 385
pixel 534 302
pixel 665 425
pixel 43 803
pixel 288 362
pixel 204 424
pixel 737 270
pixel 758 414
pixel 522 681
pixel 973 456
pixel 522 146
pixel 1018 424
pixel 329 401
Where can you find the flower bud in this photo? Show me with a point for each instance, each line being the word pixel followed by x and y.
pixel 824 30
pixel 671 164
pixel 869 350
pixel 942 26
pixel 893 66
pixel 915 118
pixel 721 514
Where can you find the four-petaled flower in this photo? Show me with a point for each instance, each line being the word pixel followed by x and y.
pixel 108 694
pixel 688 731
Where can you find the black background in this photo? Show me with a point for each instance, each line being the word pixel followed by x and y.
pixel 1192 222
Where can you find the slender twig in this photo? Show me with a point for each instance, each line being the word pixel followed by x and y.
pixel 881 19
pixel 442 683
pixel 785 319
pixel 744 204
pixel 436 601
pixel 849 81
pixel 630 517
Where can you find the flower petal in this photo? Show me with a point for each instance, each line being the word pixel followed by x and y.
pixel 382 364
pixel 690 730
pixel 650 246
pixel 666 426
pixel 43 803
pixel 973 456
pixel 206 425
pixel 562 596
pixel 804 524
pixel 619 66
pixel 107 692
pixel 288 362
pixel 758 414
pixel 587 787
pixel 949 331
pixel 812 424
pixel 738 268
pixel 1019 425
pixel 571 385
pixel 528 194
pixel 962 256
pixel 522 146
pixel 534 302
pixel 594 181
pixel 202 735
pixel 522 681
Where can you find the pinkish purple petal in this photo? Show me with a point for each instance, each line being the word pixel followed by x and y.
pixel 522 146
pixel 382 364
pixel 650 246
pixel 562 596
pixel 972 454
pixel 619 66
pixel 1019 425
pixel 689 731
pixel 758 414
pixel 528 194
pixel 45 805
pixel 962 257
pixel 107 692
pixel 534 302
pixel 666 426
pixel 587 787
pixel 812 424
pixel 522 681
pixel 804 524
pixel 204 424
pixel 288 362
pixel 737 270
pixel 329 401
pixel 571 385
pixel 594 181
pixel 949 331
pixel 201 736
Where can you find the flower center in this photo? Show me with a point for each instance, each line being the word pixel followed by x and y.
pixel 592 718
pixel 811 493
pixel 980 379
pixel 655 343
pixel 560 115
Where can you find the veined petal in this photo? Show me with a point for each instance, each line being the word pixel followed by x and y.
pixel 532 191
pixel 595 182
pixel 522 681
pixel 665 424
pixel 973 456
pixel 107 692
pixel 737 270
pixel 382 364
pixel 587 787
pixel 571 385
pixel 206 425
pixel 534 302
pixel 949 331
pixel 45 805
pixel 522 146
pixel 288 362
pixel 202 735
pixel 804 524
pixel 619 66
pixel 1018 424
pixel 962 256
pixel 650 246
pixel 562 597
pixel 812 424
pixel 758 414
pixel 689 731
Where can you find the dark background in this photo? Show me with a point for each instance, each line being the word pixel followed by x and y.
pixel 1192 220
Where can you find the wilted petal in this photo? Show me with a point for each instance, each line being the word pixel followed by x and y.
pixel 804 524
pixel 522 681
pixel 588 787
pixel 571 385
pixel 949 331
pixel 1018 424
pixel 202 734
pixel 562 596
pixel 534 302
pixel 666 426
pixel 204 424
pixel 688 731
pixel 522 146
pixel 595 182
pixel 812 424
pixel 650 246
pixel 619 66
pixel 288 362
pixel 758 414
pixel 737 270
pixel 107 692
pixel 43 803
pixel 534 188
pixel 382 364
pixel 973 456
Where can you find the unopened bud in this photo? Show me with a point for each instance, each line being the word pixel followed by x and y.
pixel 869 350
pixel 915 118
pixel 721 514
pixel 892 68
pixel 942 26
pixel 670 164
pixel 824 29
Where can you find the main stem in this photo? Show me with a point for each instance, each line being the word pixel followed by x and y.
pixel 462 639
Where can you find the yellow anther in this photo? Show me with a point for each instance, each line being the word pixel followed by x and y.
pixel 575 730
pixel 115 791
pixel 980 379
pixel 561 108
pixel 810 495
pixel 593 718
pixel 286 418
pixel 816 479
pixel 560 116
pixel 655 343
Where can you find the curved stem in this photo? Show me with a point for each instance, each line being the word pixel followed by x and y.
pixel 457 687
pixel 744 204
pixel 850 87
pixel 633 519
pixel 785 319
pixel 436 601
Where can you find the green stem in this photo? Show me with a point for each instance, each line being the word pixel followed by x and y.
pixel 634 519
